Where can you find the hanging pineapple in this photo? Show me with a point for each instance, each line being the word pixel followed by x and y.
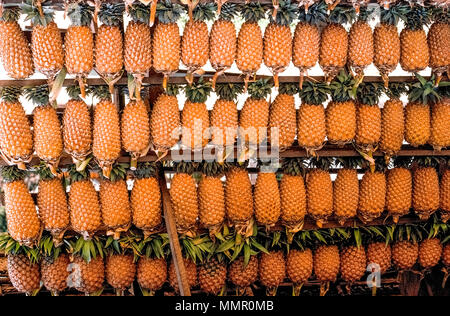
pixel 15 52
pixel 399 189
pixel 311 117
pixel 272 265
pixel 146 199
pixel 353 260
pixel 16 138
pixel 212 275
pixel 438 36
pixel 299 268
pixel 151 271
pixel 425 188
pixel 278 39
pixel 266 196
pixel 195 117
pixel 243 275
pixel 306 43
pixel 195 41
pixel 54 266
pixel 46 40
pixel 346 190
pixel 79 43
pixel 282 117
pixel 109 44
pixel 372 193
pixel 223 41
pixel 440 113
pixel 326 266
pixel 250 41
pixel 445 195
pixel 166 39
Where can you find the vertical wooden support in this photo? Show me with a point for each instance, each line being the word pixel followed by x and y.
pixel 175 247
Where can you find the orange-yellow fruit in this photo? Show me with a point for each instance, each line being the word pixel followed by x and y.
pixel 405 254
pixel 151 273
pixel 425 192
pixel 299 265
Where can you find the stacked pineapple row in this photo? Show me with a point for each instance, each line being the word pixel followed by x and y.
pixel 214 265
pixel 162 48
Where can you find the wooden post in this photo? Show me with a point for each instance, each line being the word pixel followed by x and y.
pixel 175 247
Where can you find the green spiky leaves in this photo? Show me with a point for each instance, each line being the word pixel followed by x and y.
pixel 288 88
pixel 76 175
pixel 426 91
pixel 10 14
pixel 168 12
pixel 39 95
pixel 315 93
pixel 74 92
pixel 186 167
pixel 101 92
pixel 369 93
pixel 205 12
pixel 229 91
pixel 12 173
pixel 342 87
pixel 294 166
pixel 87 249
pixel 139 12
pixel 396 89
pixel 10 94
pixel 118 172
pixel 317 14
pixel 80 13
pixel 156 246
pixel 394 14
pixel 342 15
pixel 111 14
pixel 253 12
pixel 286 13
pixel 198 92
pixel 33 12
pixel 146 170
pixel 229 11
pixel 417 17
pixel 12 247
pixel 260 89
pixel 212 168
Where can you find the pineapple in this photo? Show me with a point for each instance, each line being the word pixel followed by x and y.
pixel 48 141
pixel 183 195
pixel 346 191
pixel 446 255
pixel 326 266
pixel 238 198
pixel 52 205
pixel 195 117
pixel 311 124
pixel 16 138
pixel 191 272
pixel 79 43
pixel 438 35
pixel 146 199
pixel 360 44
pixel 372 195
pixel 417 123
pixel 405 254
pixel 306 43
pixel 15 51
pixel 299 267
pixel 249 54
pixel 212 276
pixel 46 40
pixel 277 51
pixel 415 55
pixel 243 275
pixel 195 41
pixel 138 46
pixel 293 195
pixel 77 128
pixel 353 263
pixel 166 39
pixel 392 121
pixel 319 189
pixel 24 273
pixel 135 130
pixel 399 190
pixel 54 266
pixel 430 253
pixel 106 136
pixel 379 253
pixel 211 197
pixel 445 195
pixel 223 41
pixel 341 111
pixel 165 121
pixel 425 191
pixel 386 41
pixel 151 273
pixel 334 42
pixel 440 134
pixel 272 270
pixel 85 212
pixel 254 116
pixel 266 197
pixel 109 44
pixel 24 225
pixel 115 203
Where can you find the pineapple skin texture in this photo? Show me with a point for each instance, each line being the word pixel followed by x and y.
pixel 253 121
pixel 224 123
pixel 277 51
pixel 438 39
pixel 135 128
pixel 381 254
pixel 191 272
pixel 47 48
pixel 138 48
pixel 54 273
pixel 327 263
pixel 341 122
pixel 195 45
pixel 306 45
pixel 212 276
pixel 238 196
pixel 120 271
pixel 282 115
pixel 293 199
pixel 386 44
pixel 108 50
pixel 440 133
pixel 446 255
pixel 79 50
pixel 77 128
pixel 372 195
pixel 151 273
pixel 165 118
pixel 107 142
pixel 333 47
pixel 360 45
pixel 353 263
pixel 48 141
pixel 299 265
pixel 211 201
pixel 445 191
pixel 272 268
pixel 346 194
pixel 192 116
pixel 183 194
pixel 146 204
pixel 417 124
pixel 398 192
pixel 368 125
pixel 24 276
pixel 319 190
pixel 414 54
pixel 166 48
pixel 249 48
pixel 266 197
pixel 430 253
pixel 115 204
pixel 222 44
pixel 311 128
pixel 425 192
pixel 405 254
pixel 392 126
pixel 243 276
pixel 87 277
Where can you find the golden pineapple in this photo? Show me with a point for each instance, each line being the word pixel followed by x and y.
pixel 77 127
pixel 120 271
pixel 191 272
pixel 166 39
pixel 293 195
pixel 319 189
pixel 212 276
pixel 106 136
pixel 223 41
pixel 165 121
pixel 417 123
pixel 438 36
pixel 151 273
pixel 405 254
pixel 446 255
pixel 109 43
pixel 440 133
pixel 299 267
pixel 346 191
pixel 398 192
pixel 23 273
pixel 87 276
pixel 430 253
pixel 372 195
pixel 241 275
pixel 277 51
pixel 311 126
pixel 16 138
pixel 249 54
pixel 353 263
pixel 24 225
pixel 425 191
pixel 15 51
pixel 54 272
pixel 146 199
pixel 266 197
pixel 326 266
pixel 282 117
pixel 360 44
pixel 445 196
pixel 381 254
pixel 46 40
pixel 195 117
pixel 272 270
pixel 79 43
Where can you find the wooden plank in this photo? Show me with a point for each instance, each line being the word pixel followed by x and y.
pixel 177 256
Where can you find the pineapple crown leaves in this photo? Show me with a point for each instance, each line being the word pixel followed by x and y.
pixel 186 167
pixel 365 14
pixel 348 162
pixel 342 87
pixel 439 14
pixel 198 92
pixel 172 90
pixel 146 170
pixel 205 12
pixel 369 93
pixel 403 162
pixel 12 247
pixel 118 172
pixel 317 14
pixel 396 89
pixel 80 13
pixel 408 232
pixel 74 92
pixel 11 14
pixel 428 162
pixel 126 245
pixel 39 95
pixel 286 13
pixel 44 172
pixel 342 15
pixel 229 11
pixel 426 91
pixel 394 14
pixel 229 91
pixel 434 228
pixel 101 92
pixel 197 249
pixel 288 88
pixel 76 175
pixel 156 246
pixel 49 249
pixel 12 173
pixel 416 17
pixel 294 166
pixel 10 94
pixel 378 164
pixel 111 14
pixel 274 241
pixel 323 163
pixel 260 89
pixel 87 249
pixel 212 168
pixel 253 12
pixel 315 93
pixel 168 12
pixel 139 12
pixel 33 12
